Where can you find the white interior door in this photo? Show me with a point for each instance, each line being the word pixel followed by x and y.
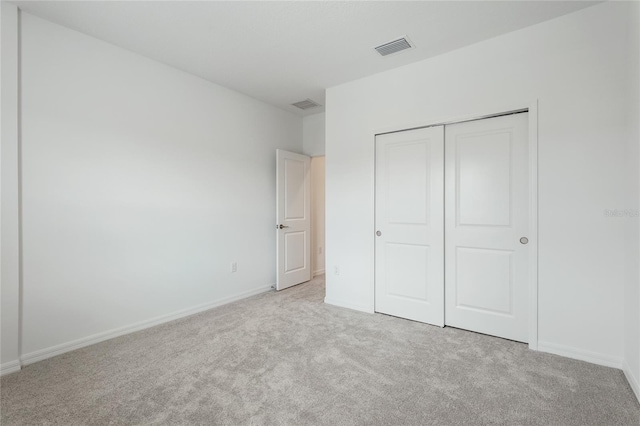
pixel 409 258
pixel 486 215
pixel 293 212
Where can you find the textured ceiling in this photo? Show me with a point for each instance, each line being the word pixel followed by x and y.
pixel 284 52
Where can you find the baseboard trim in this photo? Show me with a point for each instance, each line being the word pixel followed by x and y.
pixel 633 381
pixel 347 305
pixel 318 272
pixel 52 351
pixel 10 367
pixel 580 354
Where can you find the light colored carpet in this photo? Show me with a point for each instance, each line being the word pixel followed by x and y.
pixel 288 359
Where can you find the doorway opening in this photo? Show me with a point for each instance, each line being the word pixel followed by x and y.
pixel 317 216
pixel 300 227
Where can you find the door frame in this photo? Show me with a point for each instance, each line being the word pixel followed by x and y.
pixel 531 108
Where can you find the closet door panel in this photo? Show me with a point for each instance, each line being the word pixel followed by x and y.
pixel 486 215
pixel 409 275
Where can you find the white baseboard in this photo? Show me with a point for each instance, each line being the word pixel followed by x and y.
pixel 10 367
pixel 634 382
pixel 580 354
pixel 318 272
pixel 52 351
pixel 347 305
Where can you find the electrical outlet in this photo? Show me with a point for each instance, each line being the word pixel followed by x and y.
pixel 336 270
pixel 234 266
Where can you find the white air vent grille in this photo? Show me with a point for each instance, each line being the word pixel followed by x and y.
pixel 306 104
pixel 394 46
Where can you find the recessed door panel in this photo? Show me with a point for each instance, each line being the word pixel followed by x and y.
pixel 484 280
pixel 409 280
pixel 408 182
pixel 294 192
pixel 408 271
pixel 483 168
pixel 295 249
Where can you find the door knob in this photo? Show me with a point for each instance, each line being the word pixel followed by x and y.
pixel 281 226
pixel 378 233
pixel 524 240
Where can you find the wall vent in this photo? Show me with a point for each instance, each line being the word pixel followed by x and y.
pixel 394 46
pixel 306 104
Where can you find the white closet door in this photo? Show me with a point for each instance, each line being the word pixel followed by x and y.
pixel 409 274
pixel 487 205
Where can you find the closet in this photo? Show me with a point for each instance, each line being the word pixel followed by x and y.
pixel 452 225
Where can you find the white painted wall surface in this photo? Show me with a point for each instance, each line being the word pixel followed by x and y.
pixel 632 231
pixel 313 129
pixel 317 215
pixel 141 185
pixel 9 332
pixel 576 66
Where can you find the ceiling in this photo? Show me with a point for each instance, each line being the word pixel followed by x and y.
pixel 284 52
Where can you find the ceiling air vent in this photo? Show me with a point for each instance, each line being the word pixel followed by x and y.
pixel 394 46
pixel 306 104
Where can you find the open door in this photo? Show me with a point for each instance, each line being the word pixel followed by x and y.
pixel 293 211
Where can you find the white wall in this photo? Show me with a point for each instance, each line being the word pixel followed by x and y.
pixel 9 295
pixel 575 66
pixel 632 283
pixel 314 134
pixel 141 184
pixel 317 215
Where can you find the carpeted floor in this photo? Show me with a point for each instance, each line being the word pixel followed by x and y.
pixel 288 359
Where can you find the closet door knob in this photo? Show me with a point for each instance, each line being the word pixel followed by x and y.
pixel 524 240
pixel 378 233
